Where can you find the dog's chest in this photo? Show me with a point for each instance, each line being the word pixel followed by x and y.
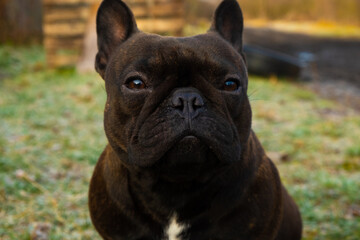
pixel 175 229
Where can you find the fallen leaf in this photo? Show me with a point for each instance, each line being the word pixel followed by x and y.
pixel 41 231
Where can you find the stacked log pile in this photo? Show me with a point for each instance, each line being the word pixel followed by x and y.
pixel 159 16
pixel 65 25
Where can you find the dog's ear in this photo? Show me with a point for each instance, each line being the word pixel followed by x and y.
pixel 114 24
pixel 229 23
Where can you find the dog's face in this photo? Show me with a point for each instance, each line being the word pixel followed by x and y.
pixel 174 102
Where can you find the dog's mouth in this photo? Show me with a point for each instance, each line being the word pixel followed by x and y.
pixel 189 158
pixel 187 149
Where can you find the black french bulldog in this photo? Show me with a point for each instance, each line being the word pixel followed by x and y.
pixel 182 161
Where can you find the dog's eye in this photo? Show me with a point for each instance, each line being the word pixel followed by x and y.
pixel 231 85
pixel 135 84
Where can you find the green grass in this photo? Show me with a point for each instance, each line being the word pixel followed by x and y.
pixel 321 141
pixel 52 134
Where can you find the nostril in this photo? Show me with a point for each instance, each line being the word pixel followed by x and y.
pixel 198 102
pixel 178 102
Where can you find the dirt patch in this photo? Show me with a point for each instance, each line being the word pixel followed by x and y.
pixel 335 73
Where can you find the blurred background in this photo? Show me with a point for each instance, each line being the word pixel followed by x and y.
pixel 304 87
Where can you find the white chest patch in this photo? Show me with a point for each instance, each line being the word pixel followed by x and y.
pixel 174 229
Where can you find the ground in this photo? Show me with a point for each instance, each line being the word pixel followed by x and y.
pixel 335 71
pixel 52 134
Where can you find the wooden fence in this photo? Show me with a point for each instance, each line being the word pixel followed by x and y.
pixel 20 21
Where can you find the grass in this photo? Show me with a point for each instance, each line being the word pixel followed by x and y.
pixel 52 134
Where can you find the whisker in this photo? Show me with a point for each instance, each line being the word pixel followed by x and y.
pixel 251 97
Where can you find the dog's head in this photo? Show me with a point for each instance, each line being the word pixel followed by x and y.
pixel 174 101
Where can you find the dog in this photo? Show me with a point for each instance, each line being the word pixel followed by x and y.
pixel 182 160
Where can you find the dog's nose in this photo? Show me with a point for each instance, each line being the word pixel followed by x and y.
pixel 188 103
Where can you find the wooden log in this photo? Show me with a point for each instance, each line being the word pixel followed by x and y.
pixel 63 14
pixel 51 43
pixel 150 2
pixel 65 2
pixel 159 16
pixel 166 9
pixel 65 28
pixel 62 60
pixel 165 25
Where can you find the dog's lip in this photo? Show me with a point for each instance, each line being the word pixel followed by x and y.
pixel 189 137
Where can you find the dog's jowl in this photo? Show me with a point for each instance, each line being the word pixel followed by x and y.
pixel 182 160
